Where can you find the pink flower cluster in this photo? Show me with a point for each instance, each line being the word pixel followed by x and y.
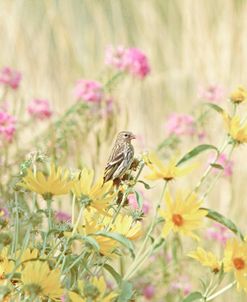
pixel 180 124
pixel 212 93
pixel 182 284
pixel 7 126
pixel 131 60
pixel 219 233
pixel 225 163
pixel 134 205
pixel 10 78
pixel 39 109
pixel 61 216
pixel 89 91
pixel 148 291
pixel 4 213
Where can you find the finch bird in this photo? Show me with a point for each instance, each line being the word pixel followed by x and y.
pixel 121 157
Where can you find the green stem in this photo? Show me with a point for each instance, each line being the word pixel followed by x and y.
pixel 24 246
pixel 216 178
pixel 153 221
pixel 207 291
pixel 49 208
pixel 16 233
pixel 137 264
pixel 78 259
pixel 78 220
pixel 220 292
pixel 63 253
pixel 125 195
pixel 44 244
pixel 119 207
pixel 73 210
pixel 53 249
pixel 140 255
pixel 121 265
pixel 209 169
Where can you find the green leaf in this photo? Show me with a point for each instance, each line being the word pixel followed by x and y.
pixel 159 244
pixel 224 221
pixel 139 199
pixel 195 296
pixel 221 274
pixel 215 107
pixel 171 140
pixel 217 166
pixel 147 186
pixel 118 237
pixel 114 274
pixel 196 151
pixel 87 239
pixel 126 292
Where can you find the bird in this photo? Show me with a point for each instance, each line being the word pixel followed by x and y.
pixel 121 157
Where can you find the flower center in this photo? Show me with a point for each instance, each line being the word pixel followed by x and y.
pixel 238 263
pixel 177 219
pixel 215 270
pixel 168 178
pixel 91 291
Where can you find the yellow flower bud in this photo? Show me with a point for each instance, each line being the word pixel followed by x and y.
pixel 239 95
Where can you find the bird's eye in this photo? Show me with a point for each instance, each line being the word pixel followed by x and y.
pixel 125 135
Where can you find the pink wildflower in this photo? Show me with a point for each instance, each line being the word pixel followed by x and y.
pixel 7 125
pixel 225 163
pixel 182 284
pixel 137 63
pixel 180 124
pixel 134 205
pixel 131 60
pixel 168 256
pixel 107 108
pixel 63 298
pixel 201 135
pixel 212 93
pixel 89 91
pixel 61 216
pixel 219 233
pixel 115 57
pixel 148 291
pixel 10 77
pixel 4 213
pixel 39 109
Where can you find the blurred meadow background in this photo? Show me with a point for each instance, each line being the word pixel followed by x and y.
pixel 189 44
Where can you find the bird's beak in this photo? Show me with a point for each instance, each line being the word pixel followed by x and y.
pixel 133 136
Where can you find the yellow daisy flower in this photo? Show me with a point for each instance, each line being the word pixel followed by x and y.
pixel 97 195
pixel 93 225
pixel 161 171
pixel 39 281
pixel 56 183
pixel 125 225
pixel 237 131
pixel 3 254
pixel 6 267
pixel 207 259
pixel 28 254
pixel 95 291
pixel 182 215
pixel 239 95
pixel 235 260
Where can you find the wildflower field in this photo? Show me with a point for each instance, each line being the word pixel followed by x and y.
pixel 123 136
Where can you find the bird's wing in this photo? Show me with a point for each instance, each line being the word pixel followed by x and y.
pixel 117 156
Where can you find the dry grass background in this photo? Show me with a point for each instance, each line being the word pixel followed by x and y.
pixel 189 42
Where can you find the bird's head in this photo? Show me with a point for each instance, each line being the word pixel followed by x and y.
pixel 125 136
